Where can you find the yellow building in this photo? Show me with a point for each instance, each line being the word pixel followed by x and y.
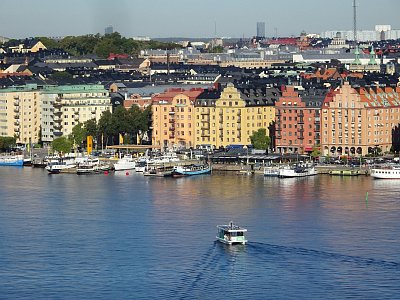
pixel 234 116
pixel 358 121
pixel 20 113
pixel 173 114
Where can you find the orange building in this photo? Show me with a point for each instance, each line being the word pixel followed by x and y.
pixel 297 128
pixel 172 116
pixel 358 121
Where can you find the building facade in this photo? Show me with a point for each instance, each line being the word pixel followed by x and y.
pixel 358 121
pixel 172 118
pixel 20 113
pixel 298 120
pixel 63 107
pixel 232 118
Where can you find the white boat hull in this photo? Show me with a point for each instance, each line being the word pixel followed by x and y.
pixel 290 173
pixel 385 173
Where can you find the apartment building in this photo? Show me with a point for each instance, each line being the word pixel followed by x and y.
pixel 298 120
pixel 20 113
pixel 234 116
pixel 63 107
pixel 173 115
pixel 359 120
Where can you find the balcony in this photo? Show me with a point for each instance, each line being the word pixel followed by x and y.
pixel 278 113
pixel 300 114
pixel 16 123
pixel 301 130
pixel 279 128
pixel 171 112
pixel 57 112
pixel 300 120
pixel 57 126
pixel 171 121
pixel 317 129
pixel 172 136
pixel 16 116
pixel 301 137
pixel 172 128
pixel 16 129
pixel 205 134
pixel 16 109
pixel 278 137
pixel 16 103
pixel 239 120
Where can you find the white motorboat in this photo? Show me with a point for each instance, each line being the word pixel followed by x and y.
pixel 386 173
pixel 125 163
pixel 231 234
pixel 61 165
pixel 297 171
pixel 90 165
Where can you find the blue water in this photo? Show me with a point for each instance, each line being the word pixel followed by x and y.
pixel 134 237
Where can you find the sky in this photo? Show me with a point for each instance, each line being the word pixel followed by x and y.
pixel 189 18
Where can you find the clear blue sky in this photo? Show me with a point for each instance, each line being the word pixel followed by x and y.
pixel 189 18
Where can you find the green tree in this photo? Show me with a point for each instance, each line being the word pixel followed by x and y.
pixel 7 142
pixel 106 127
pixel 62 145
pixel 216 49
pixel 78 134
pixel 316 151
pixel 91 127
pixel 260 140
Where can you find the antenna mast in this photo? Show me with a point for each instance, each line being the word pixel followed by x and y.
pixel 355 22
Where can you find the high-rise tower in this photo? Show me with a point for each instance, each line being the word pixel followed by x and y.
pixel 261 29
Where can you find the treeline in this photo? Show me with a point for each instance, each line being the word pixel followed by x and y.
pixel 103 45
pixel 107 131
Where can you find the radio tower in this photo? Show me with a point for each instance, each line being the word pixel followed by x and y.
pixel 355 22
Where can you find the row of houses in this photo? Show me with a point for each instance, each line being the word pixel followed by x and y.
pixel 347 119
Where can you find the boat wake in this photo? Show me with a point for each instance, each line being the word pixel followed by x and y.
pixel 207 263
pixel 264 249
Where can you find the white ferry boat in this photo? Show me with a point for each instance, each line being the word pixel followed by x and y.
pixel 386 173
pixel 231 234
pixel 297 171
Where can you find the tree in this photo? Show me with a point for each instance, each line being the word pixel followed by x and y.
pixel 78 134
pixel 91 127
pixel 62 145
pixel 7 142
pixel 260 140
pixel 316 151
pixel 106 126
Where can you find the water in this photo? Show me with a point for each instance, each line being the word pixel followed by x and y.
pixel 118 237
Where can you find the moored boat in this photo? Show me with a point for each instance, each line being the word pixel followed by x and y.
pixel 61 165
pixel 12 160
pixel 386 173
pixel 190 170
pixel 91 166
pixel 297 171
pixel 346 172
pixel 231 234
pixel 125 163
